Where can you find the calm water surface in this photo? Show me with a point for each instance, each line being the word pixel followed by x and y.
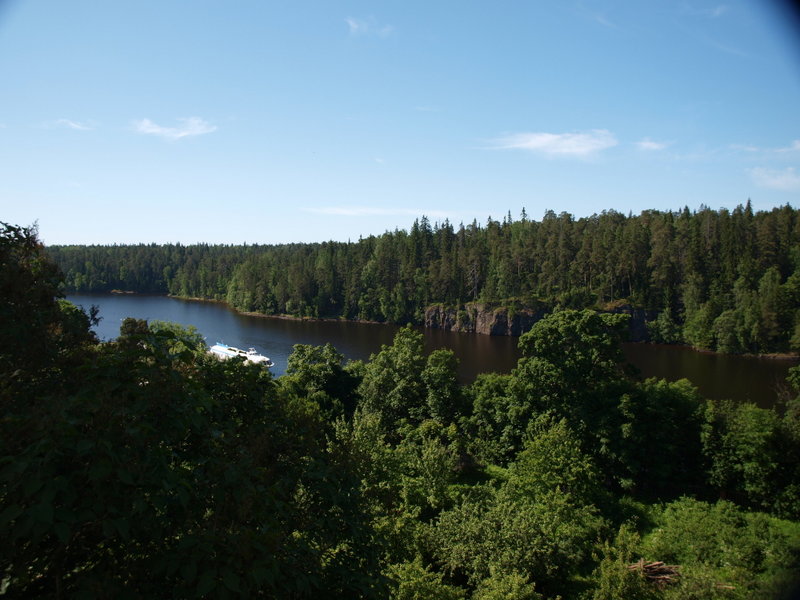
pixel 717 376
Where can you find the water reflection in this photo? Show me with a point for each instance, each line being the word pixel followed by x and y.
pixel 759 380
pixel 717 376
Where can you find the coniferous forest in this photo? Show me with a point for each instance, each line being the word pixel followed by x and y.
pixel 714 279
pixel 144 467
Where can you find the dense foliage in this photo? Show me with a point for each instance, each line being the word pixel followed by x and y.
pixel 144 467
pixel 725 280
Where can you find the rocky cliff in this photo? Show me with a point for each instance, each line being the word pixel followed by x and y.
pixel 476 317
pixel 637 326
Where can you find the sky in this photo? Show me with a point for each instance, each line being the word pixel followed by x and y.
pixel 272 122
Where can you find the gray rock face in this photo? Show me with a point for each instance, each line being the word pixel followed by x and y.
pixel 637 326
pixel 480 318
pixel 476 317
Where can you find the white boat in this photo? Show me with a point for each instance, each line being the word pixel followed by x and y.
pixel 224 352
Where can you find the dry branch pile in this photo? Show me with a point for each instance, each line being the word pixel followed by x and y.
pixel 657 572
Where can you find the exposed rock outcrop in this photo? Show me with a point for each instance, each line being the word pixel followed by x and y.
pixel 476 317
pixel 637 326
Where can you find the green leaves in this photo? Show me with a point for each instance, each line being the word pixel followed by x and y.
pixel 444 398
pixel 43 512
pixel 690 267
pixel 143 468
pixel 160 470
pixel 319 373
pixel 721 547
pixel 753 455
pixel 544 540
pixel 230 579
pixel 553 461
pixel 206 583
pixel 573 366
pixel 414 581
pixel 9 513
pixel 392 385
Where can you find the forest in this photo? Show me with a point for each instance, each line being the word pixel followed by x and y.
pixel 144 467
pixel 713 279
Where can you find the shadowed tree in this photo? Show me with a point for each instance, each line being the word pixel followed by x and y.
pixel 392 385
pixel 572 365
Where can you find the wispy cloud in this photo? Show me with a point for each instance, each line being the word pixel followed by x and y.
pixel 604 21
pixel 794 146
pixel 648 144
pixel 593 15
pixel 69 124
pixel 698 29
pixel 786 180
pixel 717 11
pixel 745 148
pixel 559 144
pixel 724 47
pixel 714 12
pixel 371 211
pixel 189 127
pixel 368 26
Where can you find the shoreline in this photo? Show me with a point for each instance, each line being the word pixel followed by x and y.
pixel 284 317
pixel 782 356
pixel 776 356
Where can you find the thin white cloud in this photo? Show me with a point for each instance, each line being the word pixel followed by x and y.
pixel 379 160
pixel 367 26
pixel 648 144
pixel 714 12
pixel 593 15
pixel 697 30
pixel 74 124
pixel 559 144
pixel 793 147
pixel 786 180
pixel 190 126
pixel 718 11
pixel 604 21
pixel 725 48
pixel 371 211
pixel 69 124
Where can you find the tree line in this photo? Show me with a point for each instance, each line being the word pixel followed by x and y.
pixel 145 467
pixel 714 279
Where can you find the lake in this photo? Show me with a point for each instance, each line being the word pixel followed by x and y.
pixel 716 375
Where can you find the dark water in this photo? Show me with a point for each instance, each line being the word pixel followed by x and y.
pixel 717 376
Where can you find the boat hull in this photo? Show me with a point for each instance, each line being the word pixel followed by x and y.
pixel 225 352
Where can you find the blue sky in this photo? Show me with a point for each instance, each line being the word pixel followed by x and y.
pixel 269 122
